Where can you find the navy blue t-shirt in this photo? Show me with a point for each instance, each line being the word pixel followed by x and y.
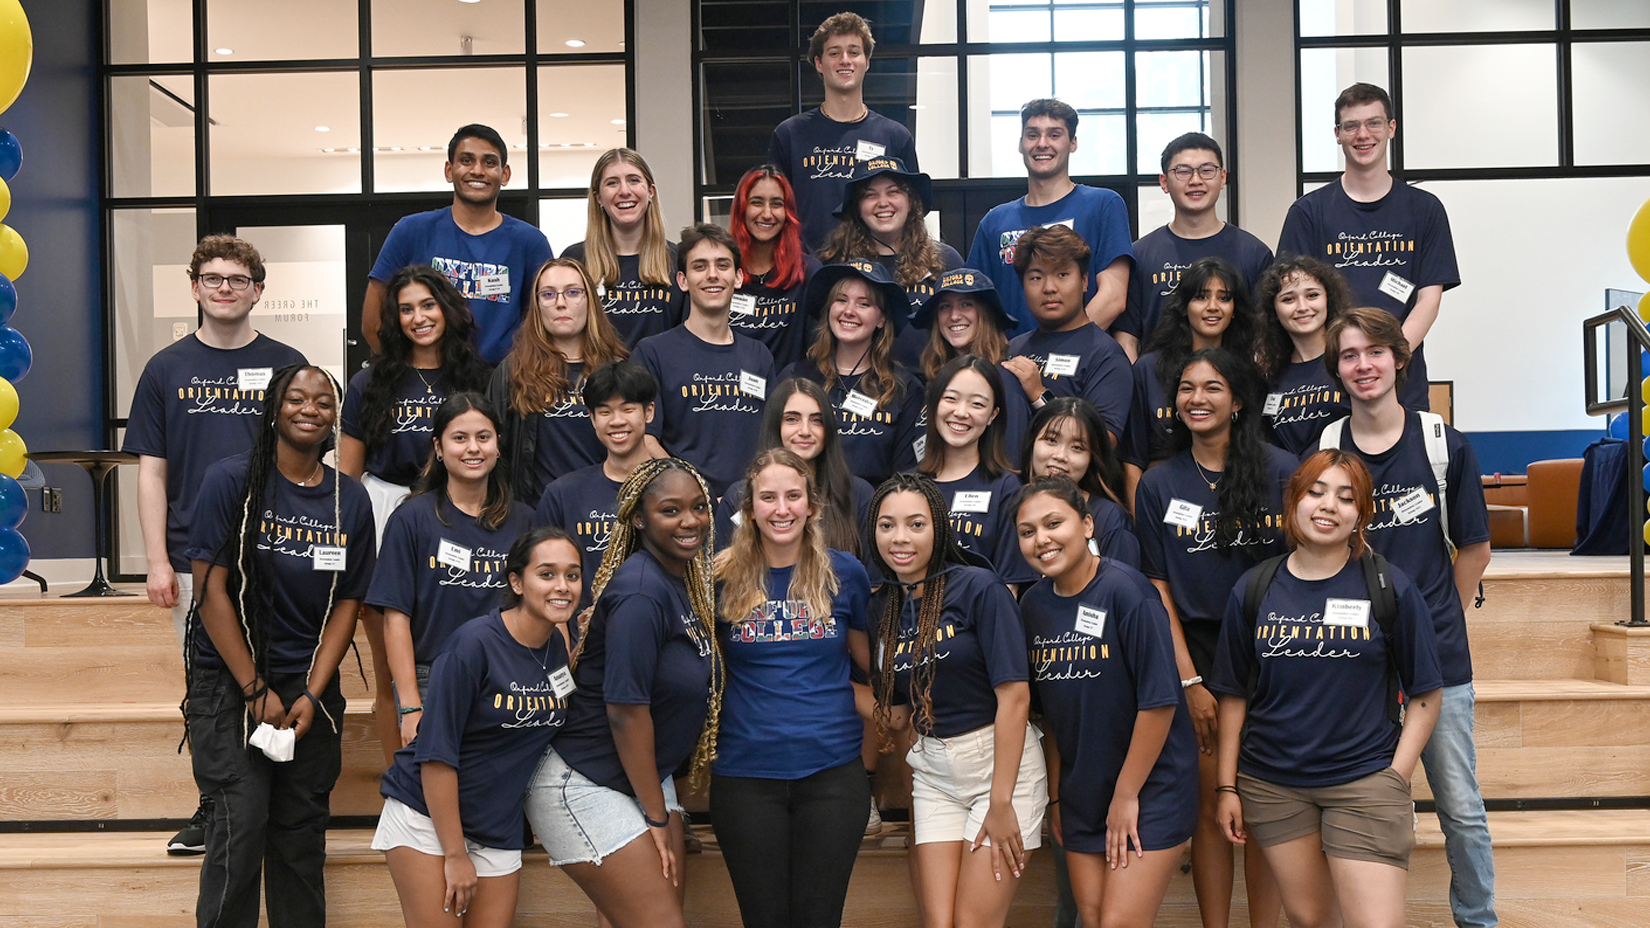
pixel 442 575
pixel 982 524
pixel 703 416
pixel 1114 532
pixel 1307 400
pixel 644 647
pixel 1161 256
pixel 1149 434
pixel 566 438
pixel 1318 716
pixel 817 154
pixel 1092 674
pixel 980 646
pixel 882 444
pixel 637 308
pixel 400 457
pixel 188 409
pixel 490 715
pixel 788 709
pixel 1103 377
pixel 777 319
pixel 294 522
pixel 1199 573
pixel 585 504
pixel 1405 234
pixel 1417 546
pixel 514 249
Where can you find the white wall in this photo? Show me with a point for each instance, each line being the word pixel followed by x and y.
pixel 664 103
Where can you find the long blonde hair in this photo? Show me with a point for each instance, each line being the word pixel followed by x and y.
pixel 538 372
pixel 600 252
pixel 743 571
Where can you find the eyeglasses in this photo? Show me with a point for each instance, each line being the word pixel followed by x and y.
pixel 1374 124
pixel 548 297
pixel 214 281
pixel 1207 171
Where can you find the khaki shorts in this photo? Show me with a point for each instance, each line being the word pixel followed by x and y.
pixel 951 786
pixel 1371 818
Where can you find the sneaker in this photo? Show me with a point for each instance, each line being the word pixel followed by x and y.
pixel 873 824
pixel 192 839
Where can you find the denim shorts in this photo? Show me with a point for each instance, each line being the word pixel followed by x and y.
pixel 951 786
pixel 579 821
pixel 400 825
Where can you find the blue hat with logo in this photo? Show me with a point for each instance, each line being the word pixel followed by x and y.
pixel 896 304
pixel 965 280
pixel 870 168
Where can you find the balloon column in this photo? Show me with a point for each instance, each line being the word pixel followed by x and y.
pixel 1638 252
pixel 16 55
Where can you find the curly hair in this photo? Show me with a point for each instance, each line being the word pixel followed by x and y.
pixel 462 366
pixel 1273 346
pixel 1172 339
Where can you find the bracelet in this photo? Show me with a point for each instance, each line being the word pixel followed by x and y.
pixel 409 710
pixel 316 702
pixel 256 692
pixel 1188 684
pixel 1227 789
pixel 652 824
pixel 1054 802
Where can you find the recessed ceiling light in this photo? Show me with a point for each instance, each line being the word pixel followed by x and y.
pixel 575 43
pixel 224 51
pixel 918 106
pixel 469 1
pixel 589 144
pixel 558 115
pixel 323 128
pixel 427 148
pixel 617 122
pixel 356 150
pixel 329 149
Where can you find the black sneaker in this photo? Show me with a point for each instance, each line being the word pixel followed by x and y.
pixel 192 839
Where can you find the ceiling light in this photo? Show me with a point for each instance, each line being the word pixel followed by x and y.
pixel 353 150
pixel 575 43
pixel 617 122
pixel 918 106
pixel 469 1
pixel 558 115
pixel 329 149
pixel 323 128
pixel 395 148
pixel 224 51
pixel 427 148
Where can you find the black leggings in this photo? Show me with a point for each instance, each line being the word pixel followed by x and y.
pixel 790 844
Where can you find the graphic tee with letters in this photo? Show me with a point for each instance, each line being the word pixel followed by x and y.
pixel 400 457
pixel 817 154
pixel 638 308
pixel 1083 362
pixel 710 400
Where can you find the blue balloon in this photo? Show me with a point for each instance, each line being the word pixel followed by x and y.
pixel 14 555
pixel 1644 364
pixel 16 357
pixel 11 157
pixel 14 502
pixel 1617 427
pixel 8 300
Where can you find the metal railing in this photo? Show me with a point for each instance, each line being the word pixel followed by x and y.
pixel 1632 403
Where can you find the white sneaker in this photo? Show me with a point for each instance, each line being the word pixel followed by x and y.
pixel 873 824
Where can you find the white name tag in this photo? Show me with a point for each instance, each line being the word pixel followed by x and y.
pixel 1412 505
pixel 920 445
pixel 1396 287
pixel 1068 223
pixel 493 284
pixel 1273 402
pixel 561 682
pixel 453 554
pixel 743 304
pixel 752 385
pixel 867 150
pixel 1182 513
pixel 1061 365
pixel 971 501
pixel 327 557
pixel 738 518
pixel 1091 621
pixel 859 404
pixel 1353 613
pixel 253 378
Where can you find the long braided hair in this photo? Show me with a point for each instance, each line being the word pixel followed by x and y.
pixel 700 579
pixel 944 553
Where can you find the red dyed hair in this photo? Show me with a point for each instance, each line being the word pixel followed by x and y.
pixel 787 252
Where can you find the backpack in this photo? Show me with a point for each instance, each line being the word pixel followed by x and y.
pixel 1437 445
pixel 1383 603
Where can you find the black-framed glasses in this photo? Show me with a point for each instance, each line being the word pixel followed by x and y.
pixel 1373 124
pixel 214 281
pixel 1206 170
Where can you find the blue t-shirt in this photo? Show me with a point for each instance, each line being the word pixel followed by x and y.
pixel 1096 214
pixel 585 504
pixel 1161 256
pixel 817 154
pixel 1198 572
pixel 777 319
pixel 982 524
pixel 189 410
pixel 1405 234
pixel 1307 400
pixel 1149 434
pixel 635 307
pixel 1103 377
pixel 1114 532
pixel 490 715
pixel 514 249
pixel 1417 546
pixel 788 709
pixel 980 645
pixel 703 417
pixel 1318 716
pixel 644 647
pixel 294 522
pixel 441 576
pixel 400 457
pixel 1092 674
pixel 884 443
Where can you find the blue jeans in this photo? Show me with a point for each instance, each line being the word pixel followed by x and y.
pixel 1451 762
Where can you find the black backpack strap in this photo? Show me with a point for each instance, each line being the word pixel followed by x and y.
pixel 1259 582
pixel 1383 602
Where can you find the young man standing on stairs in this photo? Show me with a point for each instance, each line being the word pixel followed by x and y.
pixel 1431 521
pixel 199 401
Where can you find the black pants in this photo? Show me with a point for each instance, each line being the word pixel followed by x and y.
pixel 266 818
pixel 790 844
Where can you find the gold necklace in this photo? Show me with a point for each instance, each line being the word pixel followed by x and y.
pixel 428 387
pixel 1204 475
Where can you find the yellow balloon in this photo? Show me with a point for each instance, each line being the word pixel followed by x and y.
pixel 8 403
pixel 1638 241
pixel 14 252
pixel 5 198
pixel 16 51
pixel 1644 307
pixel 13 454
pixel 1644 391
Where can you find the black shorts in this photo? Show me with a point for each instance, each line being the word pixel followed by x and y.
pixel 1202 638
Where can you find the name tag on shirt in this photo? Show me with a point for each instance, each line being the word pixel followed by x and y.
pixel 254 378
pixel 1182 513
pixel 738 518
pixel 493 284
pixel 920 445
pixel 1353 613
pixel 1061 365
pixel 859 404
pixel 743 304
pixel 1091 621
pixel 1396 287
pixel 453 554
pixel 1412 505
pixel 752 385
pixel 971 501
pixel 327 557
pixel 561 682
pixel 866 150
pixel 1273 402
pixel 1068 223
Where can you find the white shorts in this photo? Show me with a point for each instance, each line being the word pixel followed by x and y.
pixel 951 786
pixel 386 497
pixel 401 825
pixel 180 612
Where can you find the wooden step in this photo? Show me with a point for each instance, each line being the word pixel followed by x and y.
pixel 1538 610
